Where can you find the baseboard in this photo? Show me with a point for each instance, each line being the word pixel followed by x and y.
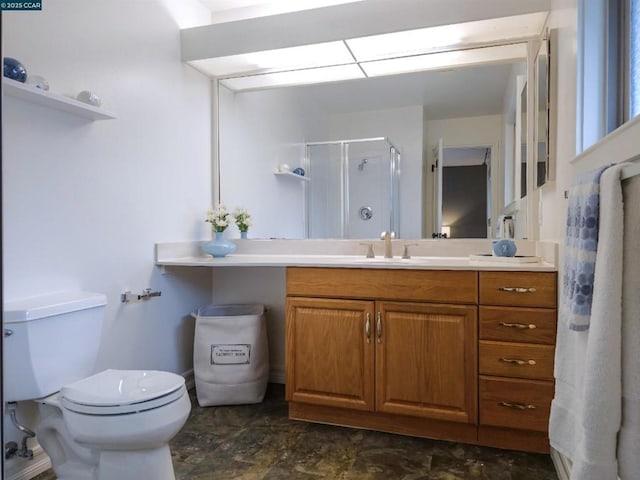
pixel 276 375
pixel 28 468
pixel 189 379
pixel 562 464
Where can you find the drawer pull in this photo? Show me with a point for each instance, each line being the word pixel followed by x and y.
pixel 517 289
pixel 517 406
pixel 520 326
pixel 379 327
pixel 517 361
pixel 367 327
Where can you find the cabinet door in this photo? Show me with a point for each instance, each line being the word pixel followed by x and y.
pixel 426 360
pixel 329 352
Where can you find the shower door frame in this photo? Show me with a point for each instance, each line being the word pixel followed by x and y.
pixel 394 182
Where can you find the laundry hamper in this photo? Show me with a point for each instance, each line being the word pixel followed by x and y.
pixel 230 355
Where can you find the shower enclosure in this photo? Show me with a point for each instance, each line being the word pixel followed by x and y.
pixel 353 188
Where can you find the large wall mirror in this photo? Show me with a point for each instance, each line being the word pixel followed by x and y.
pixel 471 110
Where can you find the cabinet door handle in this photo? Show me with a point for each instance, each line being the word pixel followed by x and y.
pixel 379 327
pixel 517 289
pixel 367 327
pixel 520 326
pixel 517 361
pixel 517 406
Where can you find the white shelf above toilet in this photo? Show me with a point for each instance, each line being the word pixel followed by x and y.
pixel 54 101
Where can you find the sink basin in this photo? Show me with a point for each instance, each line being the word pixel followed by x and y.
pixel 396 260
pixel 399 261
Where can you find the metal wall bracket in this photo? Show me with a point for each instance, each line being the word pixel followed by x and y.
pixel 146 294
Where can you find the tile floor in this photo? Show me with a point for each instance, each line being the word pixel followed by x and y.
pixel 259 442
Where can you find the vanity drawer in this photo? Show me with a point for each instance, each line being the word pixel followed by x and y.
pixel 437 286
pixel 513 403
pixel 510 324
pixel 516 360
pixel 523 289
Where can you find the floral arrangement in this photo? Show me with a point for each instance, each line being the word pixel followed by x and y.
pixel 242 218
pixel 219 218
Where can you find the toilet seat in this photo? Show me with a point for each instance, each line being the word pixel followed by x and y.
pixel 119 392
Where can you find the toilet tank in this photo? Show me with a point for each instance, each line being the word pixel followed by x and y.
pixel 53 340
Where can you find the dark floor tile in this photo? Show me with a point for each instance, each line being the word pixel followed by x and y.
pixel 259 442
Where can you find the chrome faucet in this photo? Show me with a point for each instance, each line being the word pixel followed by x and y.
pixel 387 236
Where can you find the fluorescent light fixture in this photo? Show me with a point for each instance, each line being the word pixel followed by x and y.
pixel 305 56
pixel 233 10
pixel 424 40
pixel 294 77
pixel 446 60
pixel 486 41
pixel 404 43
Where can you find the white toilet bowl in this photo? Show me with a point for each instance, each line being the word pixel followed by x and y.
pixel 115 425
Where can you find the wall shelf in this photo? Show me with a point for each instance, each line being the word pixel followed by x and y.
pixel 293 175
pixel 55 101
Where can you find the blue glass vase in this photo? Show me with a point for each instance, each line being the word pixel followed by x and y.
pixel 14 70
pixel 219 247
pixel 504 248
pixel 243 235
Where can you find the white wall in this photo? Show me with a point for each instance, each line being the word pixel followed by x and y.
pixel 266 285
pixel 259 131
pixel 84 202
pixel 564 20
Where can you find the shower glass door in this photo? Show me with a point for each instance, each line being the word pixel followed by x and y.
pixel 353 192
pixel 324 193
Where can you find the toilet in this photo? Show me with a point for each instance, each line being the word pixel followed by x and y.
pixel 110 425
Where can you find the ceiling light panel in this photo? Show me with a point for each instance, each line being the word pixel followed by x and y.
pixel 305 56
pixel 446 60
pixel 294 77
pixel 424 40
pixel 233 10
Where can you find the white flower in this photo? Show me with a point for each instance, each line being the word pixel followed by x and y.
pixel 242 218
pixel 219 218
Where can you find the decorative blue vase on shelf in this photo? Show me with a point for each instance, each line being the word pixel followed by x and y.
pixel 219 247
pixel 14 70
pixel 504 248
pixel 243 235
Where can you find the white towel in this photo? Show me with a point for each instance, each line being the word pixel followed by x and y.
pixel 629 436
pixel 586 410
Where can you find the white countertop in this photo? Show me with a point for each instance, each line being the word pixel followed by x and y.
pixel 189 255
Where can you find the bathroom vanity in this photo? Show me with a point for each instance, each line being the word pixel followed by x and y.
pixel 448 354
pixel 440 347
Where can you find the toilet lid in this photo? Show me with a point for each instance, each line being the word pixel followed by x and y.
pixel 121 387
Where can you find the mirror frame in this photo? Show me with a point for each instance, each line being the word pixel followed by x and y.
pixel 543 87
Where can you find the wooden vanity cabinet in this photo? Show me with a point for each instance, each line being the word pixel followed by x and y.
pixel 517 344
pixel 457 355
pixel 421 357
pixel 330 353
pixel 375 347
pixel 426 361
